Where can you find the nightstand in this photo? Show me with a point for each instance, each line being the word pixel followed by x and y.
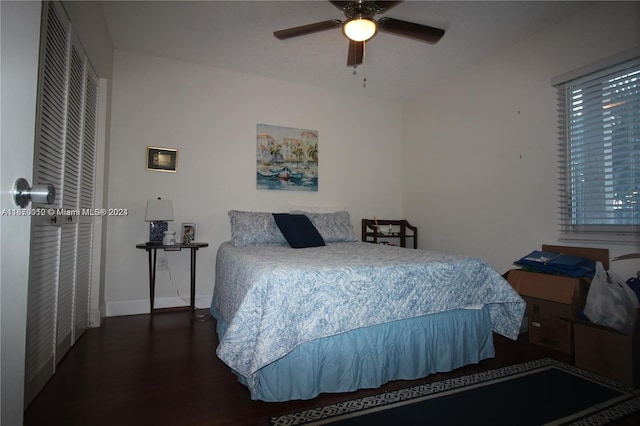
pixel 152 249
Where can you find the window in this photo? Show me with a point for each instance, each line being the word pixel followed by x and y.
pixel 599 132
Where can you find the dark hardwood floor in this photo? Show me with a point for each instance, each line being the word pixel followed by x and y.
pixel 162 370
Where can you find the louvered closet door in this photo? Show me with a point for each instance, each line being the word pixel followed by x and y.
pixel 86 202
pixel 45 232
pixel 70 202
pixel 60 265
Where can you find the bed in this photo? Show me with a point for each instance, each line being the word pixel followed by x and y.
pixel 296 322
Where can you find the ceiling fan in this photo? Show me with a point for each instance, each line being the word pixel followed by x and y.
pixel 360 26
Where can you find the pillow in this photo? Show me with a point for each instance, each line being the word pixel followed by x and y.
pixel 298 230
pixel 334 227
pixel 254 228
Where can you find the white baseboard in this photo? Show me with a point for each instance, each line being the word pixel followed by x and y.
pixel 135 307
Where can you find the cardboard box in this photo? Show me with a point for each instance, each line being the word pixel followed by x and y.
pixel 608 352
pixel 553 300
pixel 549 295
pixel 554 333
pixel 550 300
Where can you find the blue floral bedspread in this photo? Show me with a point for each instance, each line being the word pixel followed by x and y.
pixel 274 298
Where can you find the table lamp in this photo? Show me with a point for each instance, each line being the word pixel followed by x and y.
pixel 158 213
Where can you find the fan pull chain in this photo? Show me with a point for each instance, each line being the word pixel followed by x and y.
pixel 364 64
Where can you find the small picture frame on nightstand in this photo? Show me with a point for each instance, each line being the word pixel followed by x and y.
pixel 189 232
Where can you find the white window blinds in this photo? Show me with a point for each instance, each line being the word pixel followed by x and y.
pixel 599 142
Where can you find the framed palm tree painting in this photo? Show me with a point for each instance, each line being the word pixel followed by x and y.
pixel 286 158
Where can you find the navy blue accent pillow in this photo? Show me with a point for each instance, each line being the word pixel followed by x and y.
pixel 298 230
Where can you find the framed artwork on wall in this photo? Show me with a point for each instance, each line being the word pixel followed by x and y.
pixel 162 159
pixel 189 232
pixel 286 158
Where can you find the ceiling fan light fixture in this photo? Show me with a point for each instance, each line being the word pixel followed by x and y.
pixel 360 28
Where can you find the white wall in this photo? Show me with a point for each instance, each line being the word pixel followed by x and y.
pixel 480 155
pixel 210 116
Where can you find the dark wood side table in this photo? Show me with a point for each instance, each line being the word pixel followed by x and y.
pixel 375 230
pixel 152 249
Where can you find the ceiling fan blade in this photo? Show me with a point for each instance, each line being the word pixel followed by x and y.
pixel 356 50
pixel 307 29
pixel 410 30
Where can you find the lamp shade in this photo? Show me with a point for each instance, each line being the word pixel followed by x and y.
pixel 159 210
pixel 359 29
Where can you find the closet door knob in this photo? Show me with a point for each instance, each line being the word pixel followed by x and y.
pixel 23 193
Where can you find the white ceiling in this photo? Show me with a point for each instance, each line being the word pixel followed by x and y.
pixel 238 36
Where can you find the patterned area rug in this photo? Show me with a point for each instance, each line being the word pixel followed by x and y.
pixel 533 393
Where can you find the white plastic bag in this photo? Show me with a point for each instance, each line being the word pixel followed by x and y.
pixel 611 304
